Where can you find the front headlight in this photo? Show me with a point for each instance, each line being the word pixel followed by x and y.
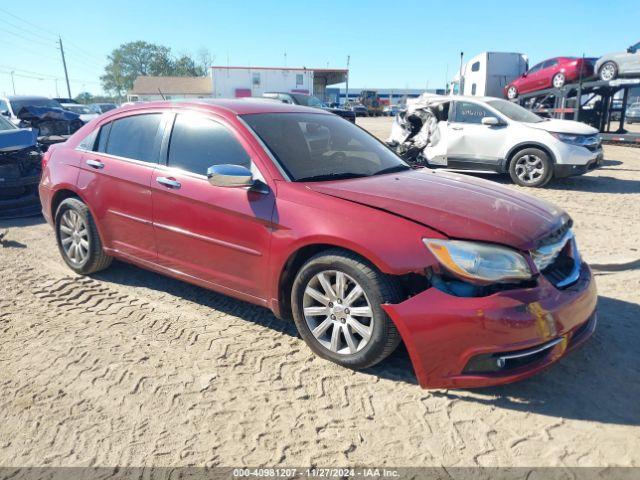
pixel 579 140
pixel 479 262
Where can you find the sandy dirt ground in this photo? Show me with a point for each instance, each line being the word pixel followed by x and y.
pixel 130 368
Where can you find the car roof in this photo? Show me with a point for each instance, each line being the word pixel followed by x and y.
pixel 26 97
pixel 234 106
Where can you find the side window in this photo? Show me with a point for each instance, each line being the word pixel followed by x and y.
pixel 103 137
pixel 3 106
pixel 135 137
pixel 198 143
pixel 550 63
pixel 475 67
pixel 534 69
pixel 89 141
pixel 467 112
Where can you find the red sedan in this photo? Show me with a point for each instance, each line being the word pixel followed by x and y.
pixel 302 212
pixel 552 73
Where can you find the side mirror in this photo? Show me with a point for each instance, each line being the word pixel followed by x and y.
pixel 490 121
pixel 230 176
pixel 5 113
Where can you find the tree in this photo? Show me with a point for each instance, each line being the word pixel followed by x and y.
pixel 132 59
pixel 84 97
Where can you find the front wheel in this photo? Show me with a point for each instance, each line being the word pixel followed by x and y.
pixel 336 303
pixel 608 71
pixel 558 80
pixel 530 167
pixel 512 92
pixel 78 239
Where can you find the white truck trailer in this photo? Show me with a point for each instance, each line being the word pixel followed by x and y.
pixel 486 74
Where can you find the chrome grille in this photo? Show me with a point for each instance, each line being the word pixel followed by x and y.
pixel 545 255
pixel 559 261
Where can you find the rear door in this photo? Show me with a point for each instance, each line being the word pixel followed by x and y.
pixel 548 70
pixel 115 178
pixel 217 234
pixel 471 145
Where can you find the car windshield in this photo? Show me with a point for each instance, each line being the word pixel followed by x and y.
pixel 18 104
pixel 315 147
pixel 514 112
pixel 308 101
pixel 6 124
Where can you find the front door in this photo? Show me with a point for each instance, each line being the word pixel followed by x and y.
pixel 115 177
pixel 470 144
pixel 217 234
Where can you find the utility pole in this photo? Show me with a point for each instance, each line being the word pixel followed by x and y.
pixel 346 97
pixel 64 64
pixel 13 83
pixel 461 80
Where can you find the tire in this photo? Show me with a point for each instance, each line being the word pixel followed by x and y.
pixel 531 167
pixel 512 92
pixel 89 257
pixel 558 80
pixel 377 289
pixel 608 71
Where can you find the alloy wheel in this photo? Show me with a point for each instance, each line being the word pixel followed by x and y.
pixel 558 80
pixel 338 312
pixel 530 168
pixel 512 93
pixel 74 237
pixel 608 72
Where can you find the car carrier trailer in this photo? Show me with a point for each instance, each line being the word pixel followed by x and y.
pixel 591 102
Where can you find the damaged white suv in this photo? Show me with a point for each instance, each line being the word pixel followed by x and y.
pixel 486 134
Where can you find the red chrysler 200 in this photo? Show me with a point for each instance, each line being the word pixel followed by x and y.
pixel 304 213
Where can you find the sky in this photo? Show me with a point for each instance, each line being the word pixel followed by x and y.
pixel 392 44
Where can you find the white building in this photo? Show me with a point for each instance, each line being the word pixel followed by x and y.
pixel 237 82
pixel 147 89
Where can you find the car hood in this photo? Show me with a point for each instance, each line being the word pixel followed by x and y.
pixel 457 205
pixel 564 126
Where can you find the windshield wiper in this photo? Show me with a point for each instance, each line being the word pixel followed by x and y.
pixel 394 169
pixel 331 176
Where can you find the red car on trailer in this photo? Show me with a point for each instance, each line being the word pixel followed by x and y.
pixel 552 73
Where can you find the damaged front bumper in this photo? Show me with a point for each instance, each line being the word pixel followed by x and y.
pixel 20 168
pixel 463 342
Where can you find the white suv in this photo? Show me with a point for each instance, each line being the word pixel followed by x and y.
pixel 492 135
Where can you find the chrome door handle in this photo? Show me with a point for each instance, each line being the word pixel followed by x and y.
pixel 168 182
pixel 456 128
pixel 95 164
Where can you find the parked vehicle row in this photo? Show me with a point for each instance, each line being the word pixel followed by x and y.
pixel 275 204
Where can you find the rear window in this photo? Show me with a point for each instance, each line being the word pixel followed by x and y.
pixel 133 137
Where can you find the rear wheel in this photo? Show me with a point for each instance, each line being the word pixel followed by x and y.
pixel 512 92
pixel 558 80
pixel 530 167
pixel 608 71
pixel 336 302
pixel 78 239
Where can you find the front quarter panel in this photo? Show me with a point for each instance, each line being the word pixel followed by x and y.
pixel 303 217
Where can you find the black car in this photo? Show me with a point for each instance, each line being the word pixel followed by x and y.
pixel 310 101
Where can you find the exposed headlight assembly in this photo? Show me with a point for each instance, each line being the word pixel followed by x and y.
pixel 479 263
